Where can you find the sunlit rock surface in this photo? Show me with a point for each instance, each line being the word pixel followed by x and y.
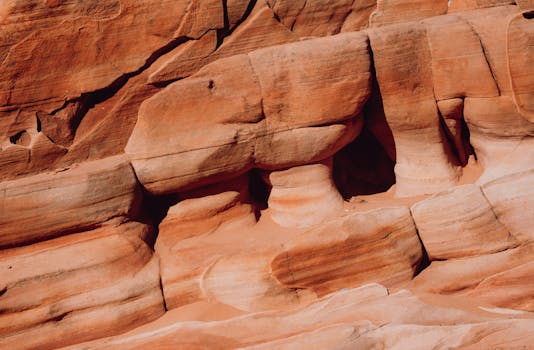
pixel 266 174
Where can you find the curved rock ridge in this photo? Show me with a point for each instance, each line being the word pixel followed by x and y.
pixel 304 196
pixel 74 199
pixel 361 317
pixel 111 284
pixel 249 110
pixel 259 174
pixel 342 253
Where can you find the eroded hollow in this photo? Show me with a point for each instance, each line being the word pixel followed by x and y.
pixel 363 167
pixel 259 191
pixel 21 138
pixel 366 166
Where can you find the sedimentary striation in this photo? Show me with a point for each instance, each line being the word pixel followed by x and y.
pixel 266 174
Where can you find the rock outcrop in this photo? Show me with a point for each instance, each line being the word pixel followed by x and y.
pixel 460 222
pixel 266 174
pixel 47 205
pixel 354 318
pixel 89 284
pixel 251 115
pixel 342 253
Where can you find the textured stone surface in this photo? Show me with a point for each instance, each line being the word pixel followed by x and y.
pixel 342 253
pixel 233 174
pixel 473 276
pixel 47 205
pixel 511 197
pixel 460 222
pixel 459 67
pixel 397 11
pixel 403 64
pixel 354 318
pixel 502 150
pixel 247 105
pixel 304 196
pixel 95 57
pixel 90 285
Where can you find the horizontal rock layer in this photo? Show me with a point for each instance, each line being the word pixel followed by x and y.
pixel 459 223
pixel 90 285
pixel 73 199
pixel 342 253
pixel 361 317
pixel 175 161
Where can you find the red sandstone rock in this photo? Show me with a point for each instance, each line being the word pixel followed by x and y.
pixel 396 11
pixel 511 197
pixel 510 288
pixel 304 196
pixel 459 67
pixel 48 205
pixel 186 59
pixel 460 222
pixel 502 150
pixel 92 56
pixel 403 64
pixel 463 276
pixel 463 5
pixel 360 317
pixel 342 253
pixel 232 113
pixel 320 18
pixel 491 26
pixel 520 53
pixel 247 106
pixel 90 285
pixel 260 29
pixel 335 74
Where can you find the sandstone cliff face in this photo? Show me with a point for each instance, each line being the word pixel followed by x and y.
pixel 266 174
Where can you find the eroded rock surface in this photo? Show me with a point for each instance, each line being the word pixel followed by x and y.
pixel 266 174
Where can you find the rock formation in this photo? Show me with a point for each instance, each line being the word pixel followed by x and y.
pixel 266 174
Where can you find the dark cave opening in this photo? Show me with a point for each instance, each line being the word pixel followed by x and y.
pixel 366 166
pixel 363 167
pixel 22 138
pixel 259 190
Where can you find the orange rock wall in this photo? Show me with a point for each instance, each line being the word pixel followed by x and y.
pixel 286 174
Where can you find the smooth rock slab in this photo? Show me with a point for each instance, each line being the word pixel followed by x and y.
pixel 376 246
pixel 78 287
pixel 74 199
pixel 460 222
pixel 361 318
pixel 512 199
pixel 481 276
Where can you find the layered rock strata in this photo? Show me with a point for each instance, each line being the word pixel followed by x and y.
pixel 207 172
